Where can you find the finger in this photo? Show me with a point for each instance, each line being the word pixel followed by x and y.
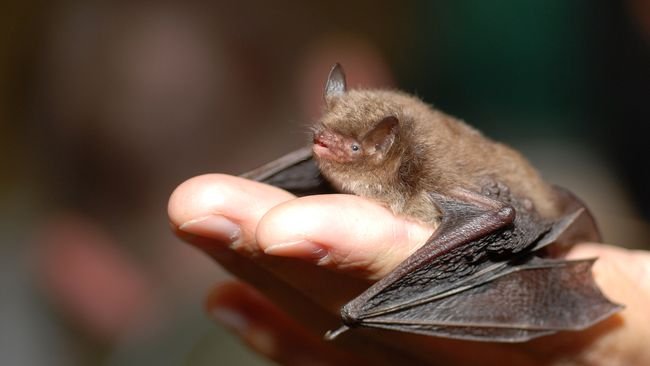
pixel 223 208
pixel 268 330
pixel 634 264
pixel 218 212
pixel 343 232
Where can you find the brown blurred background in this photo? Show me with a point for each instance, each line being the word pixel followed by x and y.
pixel 106 106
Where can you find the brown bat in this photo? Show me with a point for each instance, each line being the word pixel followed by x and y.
pixel 493 268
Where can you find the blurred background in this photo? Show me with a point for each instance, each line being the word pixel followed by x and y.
pixel 106 106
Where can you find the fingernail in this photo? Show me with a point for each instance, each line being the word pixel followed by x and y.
pixel 299 248
pixel 262 341
pixel 230 319
pixel 213 226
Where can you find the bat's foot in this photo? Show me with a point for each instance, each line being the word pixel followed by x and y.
pixel 331 334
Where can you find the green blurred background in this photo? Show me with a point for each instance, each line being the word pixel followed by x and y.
pixel 106 106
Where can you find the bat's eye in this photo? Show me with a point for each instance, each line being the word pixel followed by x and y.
pixel 355 147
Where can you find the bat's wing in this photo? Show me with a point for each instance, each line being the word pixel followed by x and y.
pixel 513 304
pixel 576 226
pixel 295 172
pixel 451 287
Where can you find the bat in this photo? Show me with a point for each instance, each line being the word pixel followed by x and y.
pixel 493 270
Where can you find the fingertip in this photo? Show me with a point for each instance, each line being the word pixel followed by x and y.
pixel 221 302
pixel 211 194
pixel 231 304
pixel 221 208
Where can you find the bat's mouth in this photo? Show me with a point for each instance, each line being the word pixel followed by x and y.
pixel 321 146
pixel 327 147
pixel 319 141
pixel 322 149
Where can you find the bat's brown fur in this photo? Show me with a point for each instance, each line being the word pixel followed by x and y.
pixel 432 152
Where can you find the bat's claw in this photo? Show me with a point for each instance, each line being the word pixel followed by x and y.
pixel 332 334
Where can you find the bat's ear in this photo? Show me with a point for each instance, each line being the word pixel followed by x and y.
pixel 382 136
pixel 335 85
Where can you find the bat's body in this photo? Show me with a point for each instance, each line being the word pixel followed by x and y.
pixel 488 272
pixel 430 152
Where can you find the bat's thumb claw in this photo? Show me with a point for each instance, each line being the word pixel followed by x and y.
pixel 331 334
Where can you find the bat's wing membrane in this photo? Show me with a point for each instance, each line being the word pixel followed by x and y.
pixel 512 304
pixel 576 226
pixel 438 291
pixel 295 172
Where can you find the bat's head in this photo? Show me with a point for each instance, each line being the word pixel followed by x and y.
pixel 359 130
pixel 373 146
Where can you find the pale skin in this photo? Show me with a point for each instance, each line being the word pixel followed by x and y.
pixel 308 256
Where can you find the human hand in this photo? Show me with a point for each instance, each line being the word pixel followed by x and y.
pixel 308 256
